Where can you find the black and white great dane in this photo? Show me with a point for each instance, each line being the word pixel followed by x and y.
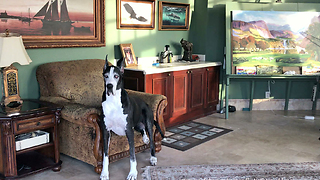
pixel 121 114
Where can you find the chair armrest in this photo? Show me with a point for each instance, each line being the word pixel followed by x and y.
pixel 74 112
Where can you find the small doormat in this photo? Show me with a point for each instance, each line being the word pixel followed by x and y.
pixel 191 134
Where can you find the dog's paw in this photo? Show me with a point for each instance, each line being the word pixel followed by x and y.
pixel 104 177
pixel 132 175
pixel 153 161
pixel 145 139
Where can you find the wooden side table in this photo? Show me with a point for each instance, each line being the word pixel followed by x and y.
pixel 31 116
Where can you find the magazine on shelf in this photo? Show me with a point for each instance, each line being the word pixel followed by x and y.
pixel 31 139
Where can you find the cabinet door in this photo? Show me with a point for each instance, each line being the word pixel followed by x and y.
pixel 213 87
pixel 197 88
pixel 134 80
pixel 180 92
pixel 161 84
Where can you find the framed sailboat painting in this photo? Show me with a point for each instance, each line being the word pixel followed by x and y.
pixel 55 23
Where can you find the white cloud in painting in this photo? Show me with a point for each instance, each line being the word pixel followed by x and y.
pixel 296 21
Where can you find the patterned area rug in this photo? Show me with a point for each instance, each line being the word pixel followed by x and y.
pixel 274 171
pixel 191 134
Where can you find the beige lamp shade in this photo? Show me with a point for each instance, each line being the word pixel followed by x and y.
pixel 12 50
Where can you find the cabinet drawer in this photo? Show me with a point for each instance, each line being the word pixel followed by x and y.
pixel 36 123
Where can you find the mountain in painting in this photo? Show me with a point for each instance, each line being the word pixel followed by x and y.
pixel 282 34
pixel 254 27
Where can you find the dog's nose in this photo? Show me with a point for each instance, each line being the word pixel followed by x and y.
pixel 109 86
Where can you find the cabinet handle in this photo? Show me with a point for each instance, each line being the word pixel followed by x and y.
pixel 207 69
pixel 190 71
pixel 169 74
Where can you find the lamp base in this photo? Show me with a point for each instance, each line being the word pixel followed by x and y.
pixel 10 86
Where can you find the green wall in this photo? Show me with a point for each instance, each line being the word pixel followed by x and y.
pixel 146 43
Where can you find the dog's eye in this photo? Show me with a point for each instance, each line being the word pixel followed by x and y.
pixel 116 76
pixel 106 76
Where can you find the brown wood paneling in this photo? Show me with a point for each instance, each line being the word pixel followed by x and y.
pixel 180 91
pixel 1 152
pixel 134 80
pixel 160 83
pixel 213 86
pixel 197 88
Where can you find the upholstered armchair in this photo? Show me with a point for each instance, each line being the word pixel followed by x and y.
pixel 78 86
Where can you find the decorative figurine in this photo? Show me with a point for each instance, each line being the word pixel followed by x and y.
pixel 187 46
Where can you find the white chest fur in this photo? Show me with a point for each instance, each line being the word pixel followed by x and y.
pixel 114 118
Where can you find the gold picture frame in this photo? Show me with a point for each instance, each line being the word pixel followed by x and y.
pixel 78 28
pixel 135 14
pixel 173 16
pixel 128 55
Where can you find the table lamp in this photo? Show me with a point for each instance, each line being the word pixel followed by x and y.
pixel 11 50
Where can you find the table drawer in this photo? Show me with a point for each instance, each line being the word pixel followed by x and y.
pixel 36 123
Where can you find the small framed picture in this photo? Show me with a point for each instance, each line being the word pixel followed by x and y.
pixel 173 16
pixel 246 70
pixel 128 55
pixel 135 14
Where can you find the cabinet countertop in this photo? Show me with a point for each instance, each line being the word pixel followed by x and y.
pixel 175 66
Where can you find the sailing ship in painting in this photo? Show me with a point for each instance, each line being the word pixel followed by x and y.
pixel 51 14
pixel 51 18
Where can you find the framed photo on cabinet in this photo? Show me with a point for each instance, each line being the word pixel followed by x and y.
pixel 173 16
pixel 128 55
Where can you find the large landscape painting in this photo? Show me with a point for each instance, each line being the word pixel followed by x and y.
pixel 276 38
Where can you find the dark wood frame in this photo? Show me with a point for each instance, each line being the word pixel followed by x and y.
pixel 97 40
pixel 173 27
pixel 122 46
pixel 121 25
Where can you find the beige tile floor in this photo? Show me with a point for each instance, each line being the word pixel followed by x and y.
pixel 258 137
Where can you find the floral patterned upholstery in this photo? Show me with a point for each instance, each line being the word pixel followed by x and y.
pixel 78 86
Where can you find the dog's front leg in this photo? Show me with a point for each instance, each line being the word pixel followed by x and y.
pixel 105 166
pixel 133 163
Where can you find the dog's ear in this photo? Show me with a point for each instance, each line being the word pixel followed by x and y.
pixel 120 65
pixel 106 64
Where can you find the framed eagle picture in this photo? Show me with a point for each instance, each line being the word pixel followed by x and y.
pixel 135 14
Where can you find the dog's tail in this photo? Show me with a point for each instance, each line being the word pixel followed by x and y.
pixel 159 129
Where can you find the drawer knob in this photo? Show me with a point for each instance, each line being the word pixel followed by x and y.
pixel 38 123
pixel 169 74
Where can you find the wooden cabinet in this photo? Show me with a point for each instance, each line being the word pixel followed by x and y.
pixel 197 88
pixel 179 86
pixel 212 90
pixel 31 116
pixel 159 83
pixel 191 93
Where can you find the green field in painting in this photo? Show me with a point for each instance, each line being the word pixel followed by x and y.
pixel 271 59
